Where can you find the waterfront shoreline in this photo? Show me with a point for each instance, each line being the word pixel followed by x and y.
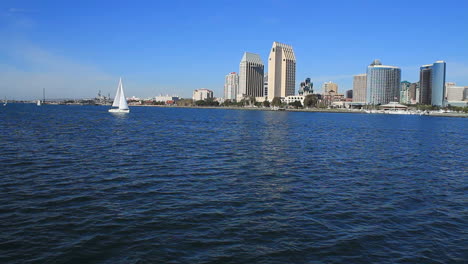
pixel 310 110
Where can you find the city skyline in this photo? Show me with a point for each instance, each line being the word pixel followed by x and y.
pixel 75 52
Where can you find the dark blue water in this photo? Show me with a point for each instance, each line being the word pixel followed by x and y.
pixel 171 185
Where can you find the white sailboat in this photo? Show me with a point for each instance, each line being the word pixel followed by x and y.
pixel 120 103
pixel 39 103
pixel 5 102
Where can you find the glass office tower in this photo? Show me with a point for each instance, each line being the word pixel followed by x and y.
pixel 432 84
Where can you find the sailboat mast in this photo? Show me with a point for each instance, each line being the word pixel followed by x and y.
pixel 43 95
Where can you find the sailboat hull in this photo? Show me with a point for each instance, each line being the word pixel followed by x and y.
pixel 124 111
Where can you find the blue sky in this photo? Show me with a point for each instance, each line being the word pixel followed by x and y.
pixel 76 48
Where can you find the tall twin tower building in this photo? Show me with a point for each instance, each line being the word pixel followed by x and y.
pixel 281 78
pixel 281 71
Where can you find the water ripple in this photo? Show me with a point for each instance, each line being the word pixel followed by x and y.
pixel 167 185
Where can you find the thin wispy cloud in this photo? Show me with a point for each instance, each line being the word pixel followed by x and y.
pixel 15 20
pixel 36 68
pixel 20 10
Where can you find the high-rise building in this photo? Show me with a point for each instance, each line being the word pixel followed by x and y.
pixel 432 84
pixel 412 91
pixel 425 85
pixel 265 85
pixel 307 87
pixel 383 83
pixel 250 76
pixel 281 71
pixel 349 94
pixel 438 83
pixel 202 94
pixel 231 86
pixel 360 88
pixel 404 92
pixel 329 87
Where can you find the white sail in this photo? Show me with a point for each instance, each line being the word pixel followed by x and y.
pixel 123 102
pixel 117 95
pixel 120 103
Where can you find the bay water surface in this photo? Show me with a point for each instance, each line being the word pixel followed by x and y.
pixel 180 185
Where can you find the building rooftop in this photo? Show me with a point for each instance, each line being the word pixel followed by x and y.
pixel 430 65
pixel 385 66
pixel 282 45
pixel 287 50
pixel 378 64
pixel 252 57
pixel 203 89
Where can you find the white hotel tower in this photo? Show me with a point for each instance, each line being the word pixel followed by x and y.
pixel 231 86
pixel 281 71
pixel 383 83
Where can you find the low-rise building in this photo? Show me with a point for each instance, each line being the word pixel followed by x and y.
pixel 168 99
pixel 329 87
pixel 202 94
pixel 293 98
pixel 455 93
pixel 457 96
pixel 306 88
pixel 349 94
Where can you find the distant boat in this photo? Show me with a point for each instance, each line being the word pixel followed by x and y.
pixel 39 102
pixel 5 102
pixel 276 108
pixel 399 112
pixel 120 103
